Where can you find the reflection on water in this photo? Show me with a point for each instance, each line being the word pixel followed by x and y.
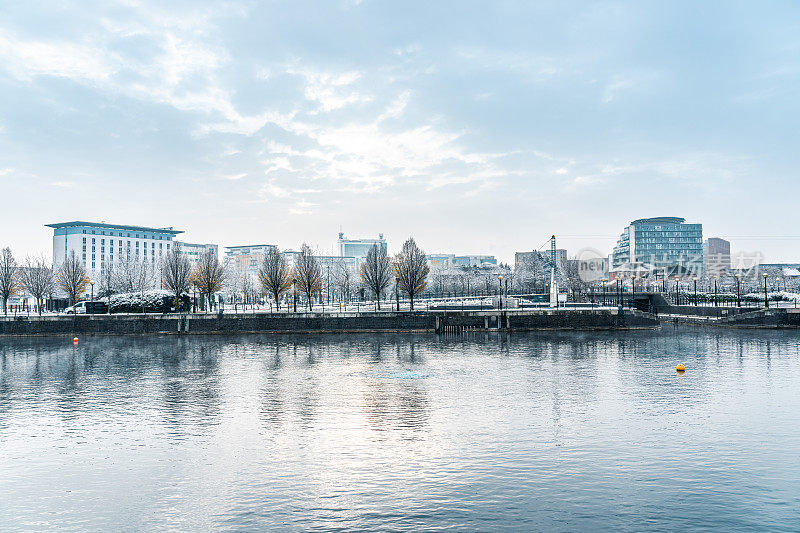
pixel 486 431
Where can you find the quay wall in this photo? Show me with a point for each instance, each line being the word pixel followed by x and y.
pixel 419 321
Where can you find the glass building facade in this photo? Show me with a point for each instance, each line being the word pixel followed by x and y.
pixel 663 242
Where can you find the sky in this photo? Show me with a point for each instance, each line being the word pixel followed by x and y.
pixel 475 127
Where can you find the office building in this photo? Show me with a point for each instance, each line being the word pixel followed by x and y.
pixel 717 256
pixel 247 258
pixel 359 248
pixel 470 261
pixel 660 243
pixel 194 252
pixel 440 261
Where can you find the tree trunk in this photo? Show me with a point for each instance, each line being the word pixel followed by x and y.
pixel 378 298
pixel 277 303
pixel 411 299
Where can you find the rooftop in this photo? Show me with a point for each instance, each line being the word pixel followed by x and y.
pixel 249 246
pixel 78 223
pixel 659 220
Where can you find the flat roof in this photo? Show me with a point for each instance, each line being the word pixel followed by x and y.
pixel 250 246
pixel 79 223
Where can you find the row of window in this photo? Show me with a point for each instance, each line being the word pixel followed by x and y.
pixel 136 235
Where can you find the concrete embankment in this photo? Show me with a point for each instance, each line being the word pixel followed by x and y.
pixel 421 321
pixel 754 319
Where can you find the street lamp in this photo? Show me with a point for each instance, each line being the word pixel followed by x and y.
pixel 766 299
pixel 500 290
pixel 604 291
pixel 715 291
pixel 738 292
pixel 397 293
pixel 695 290
pixel 294 294
pixel 91 283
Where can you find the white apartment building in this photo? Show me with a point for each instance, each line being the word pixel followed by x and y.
pixel 98 244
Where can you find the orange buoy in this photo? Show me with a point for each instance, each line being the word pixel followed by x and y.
pixel 680 368
pixel 75 341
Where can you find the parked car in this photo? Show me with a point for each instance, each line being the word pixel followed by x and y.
pixel 76 309
pixel 82 308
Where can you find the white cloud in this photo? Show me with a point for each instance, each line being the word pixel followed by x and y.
pixel 331 91
pixel 26 59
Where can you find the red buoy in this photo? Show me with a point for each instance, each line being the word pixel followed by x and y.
pixel 75 341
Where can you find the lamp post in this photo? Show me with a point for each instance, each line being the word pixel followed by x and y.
pixel 766 299
pixel 294 294
pixel 91 283
pixel 715 291
pixel 500 290
pixel 738 292
pixel 677 297
pixel 604 291
pixel 397 293
pixel 695 290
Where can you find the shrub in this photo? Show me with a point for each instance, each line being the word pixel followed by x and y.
pixel 154 301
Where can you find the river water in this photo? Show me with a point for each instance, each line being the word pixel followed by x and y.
pixel 557 431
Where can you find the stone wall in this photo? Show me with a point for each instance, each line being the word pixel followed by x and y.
pixel 315 322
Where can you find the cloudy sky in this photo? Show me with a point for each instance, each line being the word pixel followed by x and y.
pixel 475 127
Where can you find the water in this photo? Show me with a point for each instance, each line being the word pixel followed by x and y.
pixel 415 432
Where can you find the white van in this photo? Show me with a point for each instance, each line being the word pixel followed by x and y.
pixel 77 309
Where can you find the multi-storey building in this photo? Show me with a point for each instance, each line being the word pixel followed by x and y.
pixel 462 261
pixel 359 248
pixel 98 244
pixel 441 261
pixel 327 263
pixel 469 261
pixel 247 258
pixel 717 255
pixel 194 252
pixel 665 243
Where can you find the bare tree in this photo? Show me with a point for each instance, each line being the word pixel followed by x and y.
pixel 107 284
pixel 175 272
pixel 532 272
pixel 307 273
pixel 132 275
pixel 233 282
pixel 72 278
pixel 411 269
pixel 274 275
pixel 9 277
pixel 343 279
pixel 208 276
pixel 376 271
pixel 38 279
pixel 439 278
pixel 246 282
